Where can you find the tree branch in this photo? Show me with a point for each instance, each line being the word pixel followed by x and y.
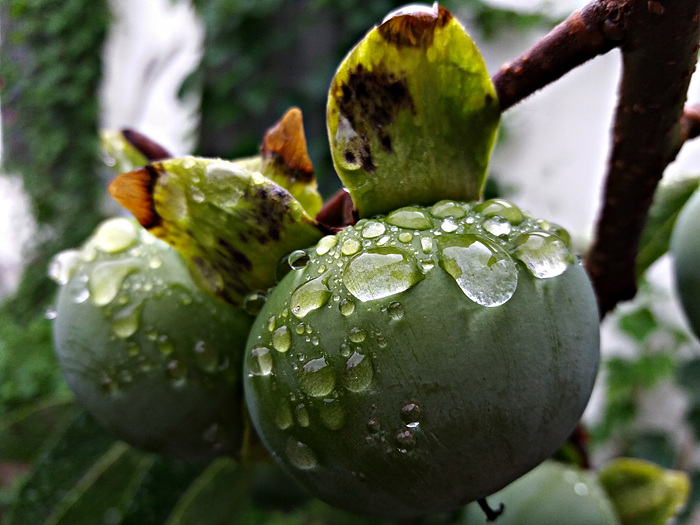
pixel 659 53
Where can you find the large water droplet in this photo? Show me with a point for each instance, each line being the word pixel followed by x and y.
pixel 205 356
pixel 325 244
pixel 300 455
pixel 254 302
pixel 316 378
pixel 350 246
pixel 395 311
pixel 281 339
pixel 309 296
pixel 544 254
pixel 500 207
pixel 405 439
pixel 332 414
pixel 63 265
pixel 298 259
pixel 260 361
pixel 283 418
pixel 444 209
pixel 302 415
pixel 381 272
pixel 347 307
pixel 409 217
pixel 106 278
pixel 115 235
pixel 165 345
pixel 484 271
pixel 358 373
pixel 357 335
pixel 373 229
pixel 373 426
pixel 176 371
pixel 411 414
pixel 125 322
pixel 497 226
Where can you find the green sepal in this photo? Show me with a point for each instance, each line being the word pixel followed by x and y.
pixel 118 153
pixel 644 493
pixel 231 224
pixel 412 114
pixel 669 200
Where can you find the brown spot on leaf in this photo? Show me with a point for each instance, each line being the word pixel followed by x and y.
pixel 134 191
pixel 414 27
pixel 284 145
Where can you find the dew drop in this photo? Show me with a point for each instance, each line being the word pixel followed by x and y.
pixel 350 246
pixel 283 418
pixel 381 272
pixel 300 455
pixel 155 263
pixel 500 207
pixel 382 241
pixel 325 244
pixel 132 349
pixel 309 296
pixel 63 266
pixel 449 225
pixel 176 371
pixel 205 356
pixel 109 386
pixel 316 378
pixel 300 329
pixel 357 335
pixel 302 415
pixel 411 414
pixel 373 426
pixel 484 271
pixel 395 311
pixel 405 237
pixel 409 217
pixel 405 439
pixel 544 254
pixel 115 235
pixel 281 339
pixel 347 307
pixel 373 229
pixel 126 321
pixel 298 260
pixel 358 373
pixel 426 244
pixel 260 361
pixel 50 314
pixel 581 489
pixel 165 345
pixel 254 302
pixel 106 279
pixel 497 226
pixel 444 209
pixel 332 414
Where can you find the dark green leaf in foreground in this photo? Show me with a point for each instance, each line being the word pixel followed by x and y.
pixel 669 200
pixel 412 114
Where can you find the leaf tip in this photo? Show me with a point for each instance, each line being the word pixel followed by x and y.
pixel 285 143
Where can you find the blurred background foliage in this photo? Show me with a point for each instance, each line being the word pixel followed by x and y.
pixel 56 465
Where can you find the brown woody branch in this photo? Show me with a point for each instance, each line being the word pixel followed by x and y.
pixel 659 41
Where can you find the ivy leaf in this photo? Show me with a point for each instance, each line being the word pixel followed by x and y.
pixel 412 113
pixel 669 200
pixel 644 493
pixel 639 324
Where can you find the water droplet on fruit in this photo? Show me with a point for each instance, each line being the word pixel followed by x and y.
pixel 332 414
pixel 409 217
pixel 373 229
pixel 300 455
pixel 426 244
pixel 411 414
pixel 205 356
pixel 358 373
pixel 350 246
pixel 309 296
pixel 254 302
pixel 283 418
pixel 500 207
pixel 298 259
pixel 395 311
pixel 347 307
pixel 176 371
pixel 484 271
pixel 126 321
pixel 381 273
pixel 281 339
pixel 544 254
pixel 302 415
pixel 357 335
pixel 405 439
pixel 165 345
pixel 63 266
pixel 405 237
pixel 115 235
pixel 325 244
pixel 50 314
pixel 106 278
pixel 581 489
pixel 109 386
pixel 155 263
pixel 449 225
pixel 260 361
pixel 497 226
pixel 373 426
pixel 132 349
pixel 316 378
pixel 444 209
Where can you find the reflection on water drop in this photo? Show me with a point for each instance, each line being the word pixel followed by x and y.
pixel 332 414
pixel 484 271
pixel 373 229
pixel 309 296
pixel 254 302
pixel 300 455
pixel 316 378
pixel 109 386
pixel 106 278
pixel 176 371
pixel 281 339
pixel 63 265
pixel 350 246
pixel 358 373
pixel 125 322
pixel 325 244
pixel 347 307
pixel 373 426
pixel 444 209
pixel 405 439
pixel 449 225
pixel 381 273
pixel 298 259
pixel 357 335
pixel 115 235
pixel 165 345
pixel 411 414
pixel 205 356
pixel 497 226
pixel 283 418
pixel 544 254
pixel 409 217
pixel 500 207
pixel 260 361
pixel 302 415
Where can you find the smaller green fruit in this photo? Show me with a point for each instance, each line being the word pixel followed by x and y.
pixel 146 352
pixel 551 494
pixel 685 247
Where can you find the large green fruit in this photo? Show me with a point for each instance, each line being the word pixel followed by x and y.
pixel 415 362
pixel 145 351
pixel 685 247
pixel 551 494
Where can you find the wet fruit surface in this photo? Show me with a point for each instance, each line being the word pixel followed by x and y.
pixel 146 352
pixel 685 247
pixel 421 360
